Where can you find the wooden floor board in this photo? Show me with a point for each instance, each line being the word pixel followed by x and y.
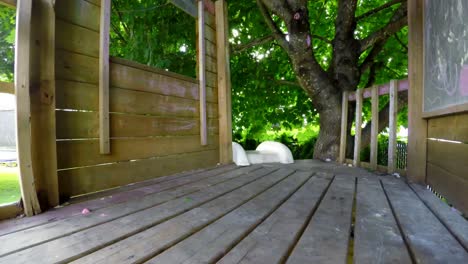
pixel 126 193
pixel 453 221
pixel 78 244
pixel 325 240
pixel 271 241
pixel 377 238
pixel 212 242
pixel 147 244
pixel 428 239
pixel 36 235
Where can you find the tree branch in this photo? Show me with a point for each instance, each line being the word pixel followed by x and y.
pixel 397 22
pixel 401 43
pixel 378 9
pixel 260 41
pixel 279 36
pixel 324 39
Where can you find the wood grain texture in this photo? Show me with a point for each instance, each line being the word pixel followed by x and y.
pixel 84 125
pixel 374 128
pixel 8 211
pixel 160 194
pixel 417 126
pixel 428 240
pixel 43 120
pixel 344 128
pixel 457 225
pixel 79 153
pixel 96 178
pixel 392 126
pixel 209 244
pixel 164 235
pixel 452 157
pixel 79 12
pixel 271 241
pixel 201 66
pixel 457 124
pixel 224 83
pixel 96 237
pixel 373 215
pixel 77 39
pixel 104 82
pixel 325 240
pixel 358 129
pixel 452 187
pixel 23 108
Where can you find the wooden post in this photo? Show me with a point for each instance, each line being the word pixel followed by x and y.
pixel 202 71
pixel 358 127
pixel 104 133
pixel 344 127
pixel 392 131
pixel 42 93
pixel 23 107
pixel 417 126
pixel 224 83
pixel 374 127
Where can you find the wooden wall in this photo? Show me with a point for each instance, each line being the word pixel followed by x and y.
pixel 447 160
pixel 154 114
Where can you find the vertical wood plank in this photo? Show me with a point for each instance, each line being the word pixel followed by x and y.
pixel 23 107
pixel 358 127
pixel 392 131
pixel 6 87
pixel 374 127
pixel 104 77
pixel 42 94
pixel 202 70
pixel 417 126
pixel 344 127
pixel 8 3
pixel 224 83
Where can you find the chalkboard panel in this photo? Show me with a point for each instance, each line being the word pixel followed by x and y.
pixel 446 54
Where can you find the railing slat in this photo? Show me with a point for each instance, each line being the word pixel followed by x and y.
pixel 392 137
pixel 374 127
pixel 344 127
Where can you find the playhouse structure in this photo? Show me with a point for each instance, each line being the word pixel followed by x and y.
pixel 124 163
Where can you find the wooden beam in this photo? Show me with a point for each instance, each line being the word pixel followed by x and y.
pixel 393 125
pixel 8 3
pixel 344 127
pixel 358 128
pixel 383 90
pixel 417 126
pixel 104 77
pixel 188 6
pixel 42 93
pixel 202 70
pixel 6 87
pixel 224 83
pixel 23 107
pixel 374 128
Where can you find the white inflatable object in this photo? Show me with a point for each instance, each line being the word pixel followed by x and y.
pixel 238 155
pixel 270 152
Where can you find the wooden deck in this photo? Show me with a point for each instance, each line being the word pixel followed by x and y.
pixel 308 212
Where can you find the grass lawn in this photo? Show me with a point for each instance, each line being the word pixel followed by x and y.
pixel 9 185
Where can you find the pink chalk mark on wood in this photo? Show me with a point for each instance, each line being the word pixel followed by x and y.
pixel 464 81
pixel 85 211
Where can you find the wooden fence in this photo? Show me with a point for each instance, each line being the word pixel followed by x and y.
pixel 373 93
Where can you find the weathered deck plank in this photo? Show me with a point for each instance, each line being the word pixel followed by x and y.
pixel 325 240
pixel 154 240
pixel 36 235
pixel 377 238
pixel 210 243
pixel 429 241
pixel 108 198
pixel 79 244
pixel 454 222
pixel 271 241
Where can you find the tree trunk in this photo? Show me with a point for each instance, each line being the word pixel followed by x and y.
pixel 327 146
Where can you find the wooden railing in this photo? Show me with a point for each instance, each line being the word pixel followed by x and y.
pixel 373 92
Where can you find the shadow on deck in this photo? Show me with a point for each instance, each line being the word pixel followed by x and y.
pixel 307 212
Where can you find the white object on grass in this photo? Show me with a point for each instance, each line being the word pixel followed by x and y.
pixel 238 155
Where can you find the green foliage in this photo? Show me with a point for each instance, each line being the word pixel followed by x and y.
pixel 9 185
pixel 155 33
pixel 7 43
